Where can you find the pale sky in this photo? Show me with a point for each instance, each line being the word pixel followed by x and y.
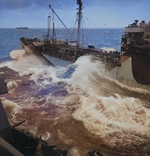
pixel 99 13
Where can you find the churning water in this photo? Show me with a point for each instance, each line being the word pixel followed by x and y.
pixel 76 107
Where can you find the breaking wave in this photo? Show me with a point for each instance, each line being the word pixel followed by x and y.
pixel 17 54
pixel 77 107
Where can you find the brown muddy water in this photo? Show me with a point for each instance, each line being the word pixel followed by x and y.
pixel 76 107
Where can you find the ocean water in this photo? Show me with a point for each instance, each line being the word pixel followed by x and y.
pixel 9 38
pixel 75 107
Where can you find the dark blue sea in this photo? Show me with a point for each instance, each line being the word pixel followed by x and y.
pixel 75 107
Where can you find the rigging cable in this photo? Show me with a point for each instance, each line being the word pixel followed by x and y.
pixel 95 13
pixel 92 39
pixel 65 14
pixel 59 19
pixel 71 28
pixel 74 29
pixel 69 10
pixel 99 18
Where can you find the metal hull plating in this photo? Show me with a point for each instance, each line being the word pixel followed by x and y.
pixel 125 75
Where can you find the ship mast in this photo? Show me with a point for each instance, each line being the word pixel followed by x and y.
pixel 48 20
pixel 79 22
pixel 60 21
pixel 53 28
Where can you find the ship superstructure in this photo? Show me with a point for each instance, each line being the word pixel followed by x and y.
pixel 136 40
pixel 134 65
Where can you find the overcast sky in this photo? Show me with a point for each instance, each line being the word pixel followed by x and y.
pixel 99 13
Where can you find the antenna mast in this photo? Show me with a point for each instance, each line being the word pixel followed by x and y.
pixel 79 22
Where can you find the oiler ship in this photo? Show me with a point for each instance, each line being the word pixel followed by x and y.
pixel 131 66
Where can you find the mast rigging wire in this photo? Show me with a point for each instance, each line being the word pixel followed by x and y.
pixel 95 13
pixel 60 19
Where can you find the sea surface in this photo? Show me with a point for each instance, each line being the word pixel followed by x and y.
pixel 75 107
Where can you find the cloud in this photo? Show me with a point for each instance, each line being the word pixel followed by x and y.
pixel 18 4
pixel 118 13
pixel 14 4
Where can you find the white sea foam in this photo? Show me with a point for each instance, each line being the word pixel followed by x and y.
pixel 73 152
pixel 12 85
pixel 111 111
pixel 85 68
pixel 97 113
pixel 103 111
pixel 11 109
pixel 17 54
